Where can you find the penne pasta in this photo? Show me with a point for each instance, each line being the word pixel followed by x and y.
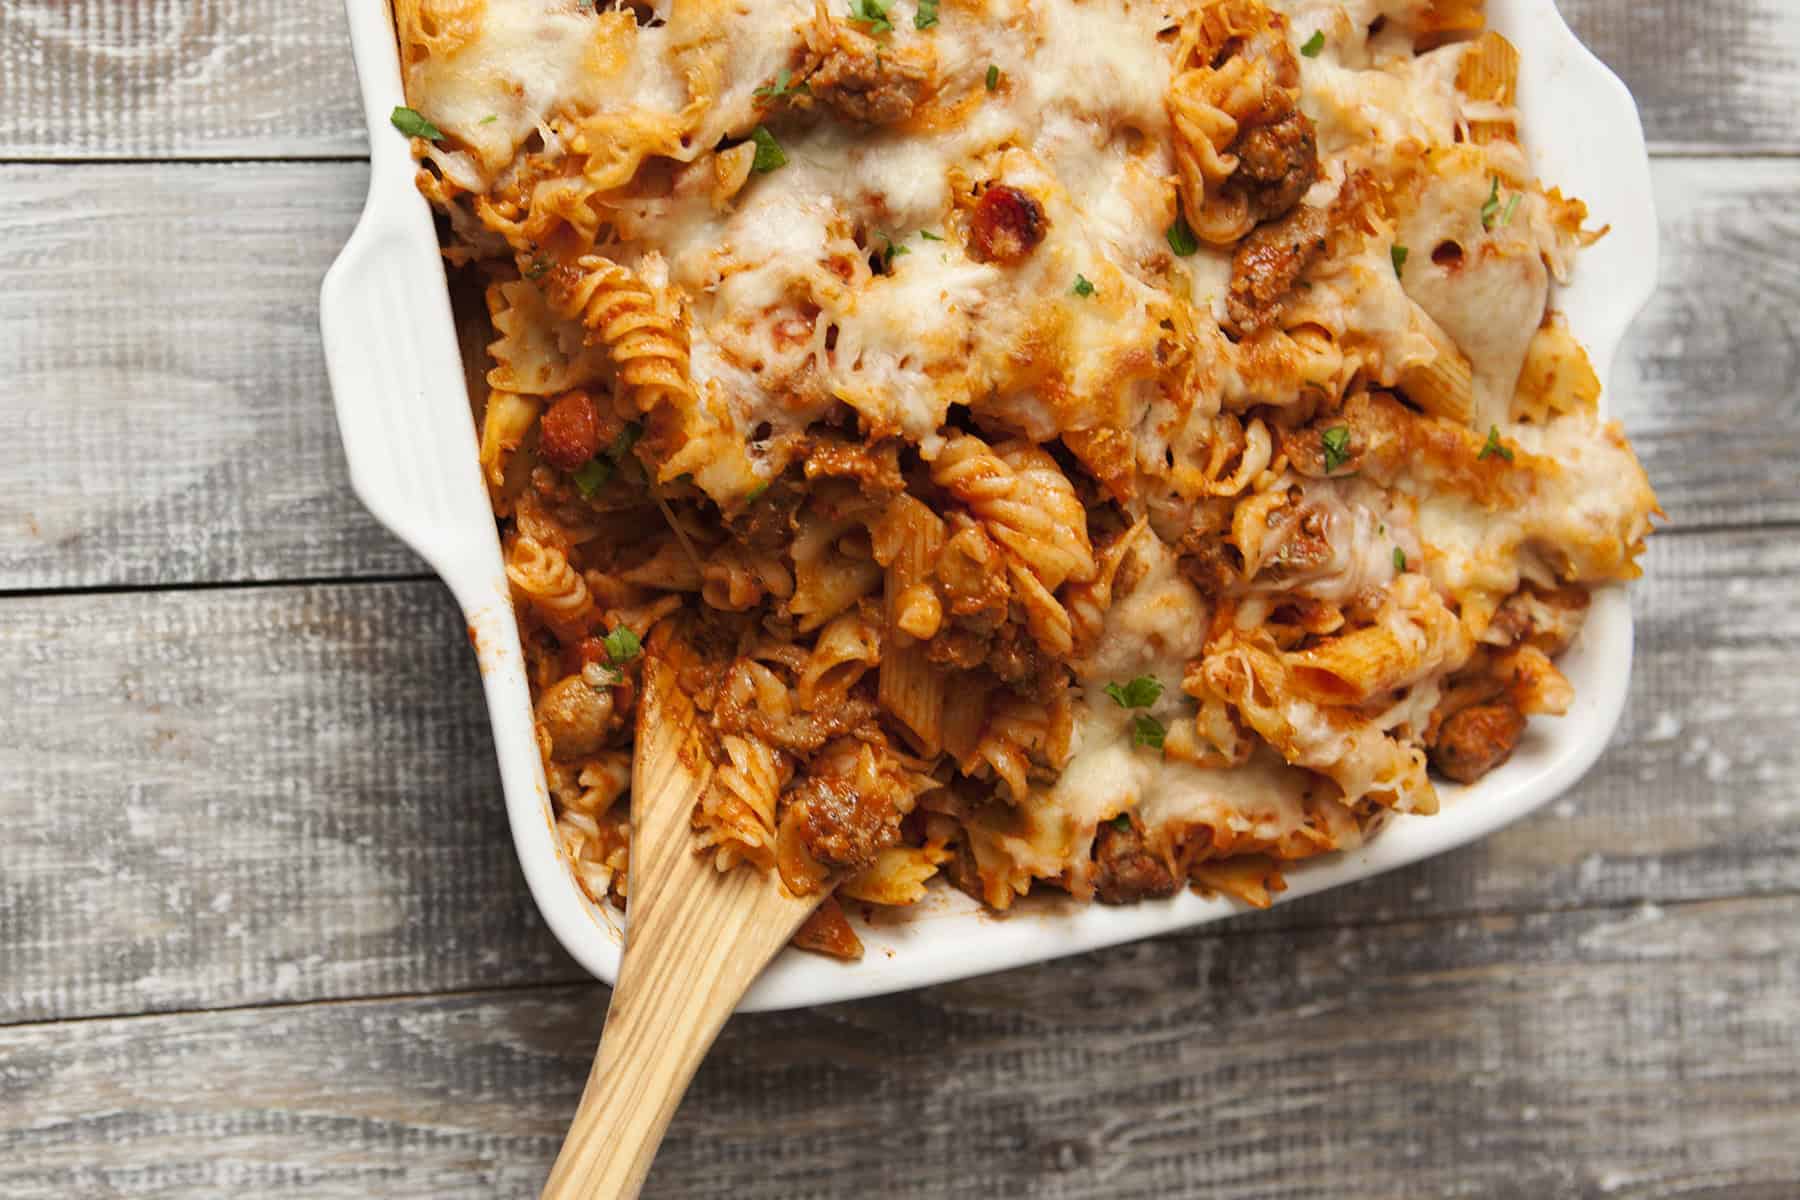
pixel 911 687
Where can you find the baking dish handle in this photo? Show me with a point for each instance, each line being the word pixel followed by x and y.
pixel 395 367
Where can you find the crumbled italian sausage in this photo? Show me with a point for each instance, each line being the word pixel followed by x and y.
pixel 1277 162
pixel 861 80
pixel 1267 265
pixel 1126 870
pixel 1476 740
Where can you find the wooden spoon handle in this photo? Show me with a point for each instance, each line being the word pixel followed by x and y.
pixel 695 940
pixel 663 1017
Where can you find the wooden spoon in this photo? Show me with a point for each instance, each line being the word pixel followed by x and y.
pixel 696 939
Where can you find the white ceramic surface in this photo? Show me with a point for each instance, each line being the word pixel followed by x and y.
pixel 402 407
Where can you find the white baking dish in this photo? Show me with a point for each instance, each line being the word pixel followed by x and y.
pixel 392 353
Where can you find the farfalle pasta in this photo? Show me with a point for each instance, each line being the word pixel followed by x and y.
pixel 1100 445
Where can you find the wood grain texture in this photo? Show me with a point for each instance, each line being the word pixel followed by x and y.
pixel 186 433
pixel 1638 1052
pixel 227 797
pixel 269 794
pixel 177 79
pixel 1720 76
pixel 284 795
pixel 163 321
pixel 270 79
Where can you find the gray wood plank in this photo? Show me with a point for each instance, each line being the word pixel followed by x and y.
pixel 177 79
pixel 266 794
pixel 163 321
pixel 223 797
pixel 185 434
pixel 1708 77
pixel 273 79
pixel 1709 379
pixel 1639 1052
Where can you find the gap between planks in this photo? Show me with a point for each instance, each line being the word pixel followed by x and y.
pixel 223 585
pixel 1231 929
pixel 216 585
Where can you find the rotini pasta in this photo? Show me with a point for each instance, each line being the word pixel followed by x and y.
pixel 1140 464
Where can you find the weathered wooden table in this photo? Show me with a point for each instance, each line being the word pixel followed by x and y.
pixel 261 929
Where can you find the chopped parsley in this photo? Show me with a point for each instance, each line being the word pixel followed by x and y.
pixel 890 252
pixel 1492 446
pixel 1336 444
pixel 1146 730
pixel 927 16
pixel 622 645
pixel 1491 206
pixel 1398 254
pixel 1082 286
pixel 489 119
pixel 595 473
pixel 874 14
pixel 1314 44
pixel 538 266
pixel 1141 692
pixel 409 122
pixel 993 77
pixel 1181 237
pixel 783 87
pixel 593 476
pixel 768 151
pixel 1399 559
pixel 929 236
pixel 1122 822
pixel 628 437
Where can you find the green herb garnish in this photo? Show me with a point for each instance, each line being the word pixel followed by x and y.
pixel 409 122
pixel 1181 237
pixel 892 251
pixel 1492 446
pixel 622 645
pixel 929 236
pixel 768 151
pixel 993 78
pixel 927 16
pixel 1121 822
pixel 1491 205
pixel 1512 204
pixel 1398 254
pixel 1146 730
pixel 593 476
pixel 1336 444
pixel 1082 286
pixel 628 437
pixel 538 267
pixel 1314 44
pixel 489 119
pixel 873 13
pixel 783 87
pixel 1399 559
pixel 1141 692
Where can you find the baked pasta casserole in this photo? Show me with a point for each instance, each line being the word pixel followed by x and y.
pixel 1112 445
